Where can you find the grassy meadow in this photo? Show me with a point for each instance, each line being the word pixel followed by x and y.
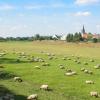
pixel 62 87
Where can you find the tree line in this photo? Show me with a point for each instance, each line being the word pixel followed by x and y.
pixel 77 37
pixel 33 38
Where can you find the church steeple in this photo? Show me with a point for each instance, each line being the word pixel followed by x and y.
pixel 83 30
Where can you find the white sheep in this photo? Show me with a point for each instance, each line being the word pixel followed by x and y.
pixel 89 82
pixel 85 71
pixel 32 97
pixel 94 93
pixel 17 79
pixel 97 66
pixel 37 67
pixel 82 69
pixel 44 87
pixel 70 73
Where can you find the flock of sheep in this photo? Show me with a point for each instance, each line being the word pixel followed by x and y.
pixel 69 72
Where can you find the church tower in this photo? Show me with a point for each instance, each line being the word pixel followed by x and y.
pixel 84 34
pixel 83 30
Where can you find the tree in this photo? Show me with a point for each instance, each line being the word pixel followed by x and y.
pixel 69 38
pixel 76 37
pixel 37 37
pixel 94 40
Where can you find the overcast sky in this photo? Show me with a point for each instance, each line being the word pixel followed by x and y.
pixel 48 17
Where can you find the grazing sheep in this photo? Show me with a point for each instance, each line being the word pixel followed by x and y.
pixel 44 87
pixel 68 58
pixel 97 66
pixel 91 60
pixel 85 63
pixel 89 82
pixel 62 67
pixel 85 71
pixel 70 73
pixel 82 69
pixel 75 60
pixel 32 97
pixel 94 94
pixel 90 72
pixel 50 58
pixel 78 62
pixel 17 79
pixel 45 64
pixel 63 58
pixel 37 67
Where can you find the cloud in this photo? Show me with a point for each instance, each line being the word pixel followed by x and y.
pixel 30 7
pixel 86 2
pixel 6 7
pixel 82 13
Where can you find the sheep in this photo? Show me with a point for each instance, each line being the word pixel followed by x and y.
pixel 32 97
pixel 70 73
pixel 94 94
pixel 89 82
pixel 37 67
pixel 17 79
pixel 85 63
pixel 50 58
pixel 88 71
pixel 82 69
pixel 44 87
pixel 75 60
pixel 68 58
pixel 78 62
pixel 97 66
pixel 45 64
pixel 62 67
pixel 85 71
pixel 91 60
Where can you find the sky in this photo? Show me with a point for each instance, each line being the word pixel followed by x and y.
pixel 48 17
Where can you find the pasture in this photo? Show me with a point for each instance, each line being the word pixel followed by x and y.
pixel 46 62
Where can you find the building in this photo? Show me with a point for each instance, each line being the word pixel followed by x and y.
pixel 97 36
pixel 84 34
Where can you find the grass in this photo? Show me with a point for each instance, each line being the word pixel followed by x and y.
pixel 63 87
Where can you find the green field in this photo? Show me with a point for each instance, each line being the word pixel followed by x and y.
pixel 62 87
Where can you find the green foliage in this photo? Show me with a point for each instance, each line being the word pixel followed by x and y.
pixel 94 40
pixel 74 38
pixel 69 38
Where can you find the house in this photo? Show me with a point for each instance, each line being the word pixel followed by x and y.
pixel 63 37
pixel 97 36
